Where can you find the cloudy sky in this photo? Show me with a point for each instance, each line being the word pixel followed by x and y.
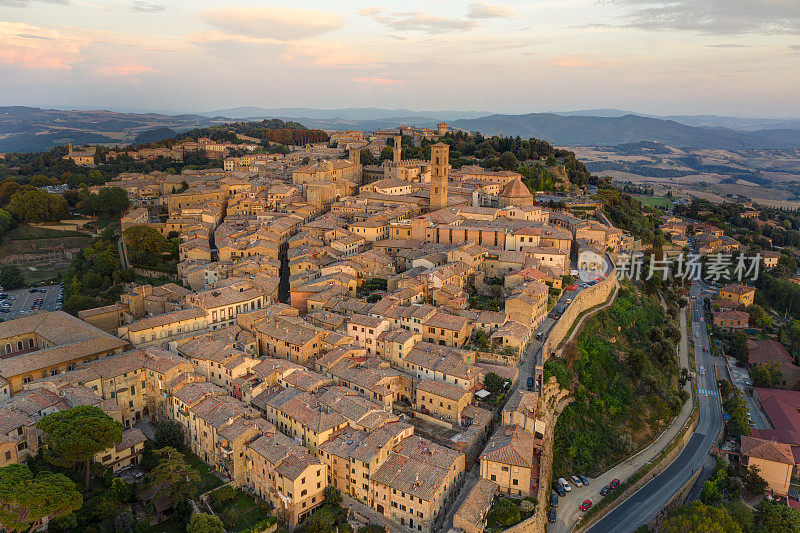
pixel 731 57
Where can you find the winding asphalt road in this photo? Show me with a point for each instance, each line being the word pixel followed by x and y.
pixel 643 505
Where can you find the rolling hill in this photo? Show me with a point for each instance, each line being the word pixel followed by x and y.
pixel 31 129
pixel 609 131
pixel 27 129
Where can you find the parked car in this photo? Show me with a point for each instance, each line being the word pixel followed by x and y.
pixel 553 500
pixel 564 484
pixel 552 516
pixel 559 489
pixel 576 480
pixel 614 483
pixel 584 479
pixel 33 290
pixel 605 490
pixel 3 296
pixel 539 336
pixel 586 505
pixel 530 383
pixel 42 290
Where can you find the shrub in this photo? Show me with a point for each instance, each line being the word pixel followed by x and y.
pixel 230 517
pixel 506 513
pixel 526 506
pixel 223 494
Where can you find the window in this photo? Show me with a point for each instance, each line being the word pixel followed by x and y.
pixel 515 482
pixel 494 478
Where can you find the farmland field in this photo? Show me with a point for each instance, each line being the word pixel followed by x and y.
pixel 656 201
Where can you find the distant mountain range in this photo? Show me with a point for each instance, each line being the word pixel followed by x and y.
pixel 609 131
pixel 30 129
pixel 24 129
pixel 345 114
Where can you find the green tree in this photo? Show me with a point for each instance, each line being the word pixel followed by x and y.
pixel 8 188
pixel 120 490
pixel 700 518
pixel 204 523
pixel 38 206
pixel 77 434
pixel 506 513
pixel 494 383
pixel 109 202
pixel 759 318
pixel 753 482
pixel 736 407
pixel 774 517
pixel 169 433
pixel 173 475
pixel 766 375
pixel 40 180
pixel 332 496
pixel 737 347
pixel 367 158
pixel 11 277
pixel 26 499
pixel 145 239
pixel 741 514
pixel 508 161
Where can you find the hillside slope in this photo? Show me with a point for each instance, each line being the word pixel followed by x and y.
pixel 608 131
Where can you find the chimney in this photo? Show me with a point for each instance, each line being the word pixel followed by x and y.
pixel 70 148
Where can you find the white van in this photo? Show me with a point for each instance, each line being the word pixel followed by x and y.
pixel 564 484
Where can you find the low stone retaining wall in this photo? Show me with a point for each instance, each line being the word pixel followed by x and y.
pixel 552 401
pixel 585 300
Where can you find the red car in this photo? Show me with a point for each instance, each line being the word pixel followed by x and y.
pixel 614 483
pixel 585 505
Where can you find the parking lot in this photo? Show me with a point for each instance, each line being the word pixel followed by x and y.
pixel 570 509
pixel 20 302
pixel 742 381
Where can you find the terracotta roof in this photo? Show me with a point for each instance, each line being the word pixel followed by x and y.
pixel 737 289
pixel 768 450
pixel 417 467
pixel 173 317
pixel 766 350
pixel 515 189
pixel 444 390
pixel 510 445
pixel 478 502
